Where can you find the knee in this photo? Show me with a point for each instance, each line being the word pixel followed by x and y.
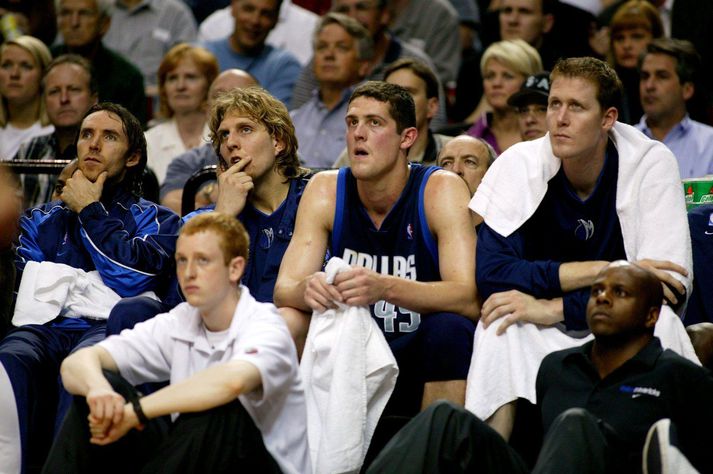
pixel 573 417
pixel 130 311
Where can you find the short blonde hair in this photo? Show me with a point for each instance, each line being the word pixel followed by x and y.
pixel 514 54
pixel 42 56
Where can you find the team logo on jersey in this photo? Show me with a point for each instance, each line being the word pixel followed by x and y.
pixel 266 238
pixel 584 229
pixel 409 231
pixel 710 225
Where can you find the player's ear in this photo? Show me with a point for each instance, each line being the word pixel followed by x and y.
pixel 408 137
pixel 652 316
pixel 133 159
pixel 236 268
pixel 609 118
pixel 279 145
pixel 688 89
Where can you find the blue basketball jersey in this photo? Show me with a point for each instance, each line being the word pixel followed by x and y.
pixel 403 246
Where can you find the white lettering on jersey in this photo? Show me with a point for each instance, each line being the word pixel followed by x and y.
pixel 398 266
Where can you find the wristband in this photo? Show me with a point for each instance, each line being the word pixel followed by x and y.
pixel 136 403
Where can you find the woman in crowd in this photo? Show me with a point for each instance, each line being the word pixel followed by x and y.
pixel 504 67
pixel 184 76
pixel 634 25
pixel 22 110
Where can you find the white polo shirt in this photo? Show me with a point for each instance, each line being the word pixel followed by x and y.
pixel 173 346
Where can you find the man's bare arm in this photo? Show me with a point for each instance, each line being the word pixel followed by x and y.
pixel 173 200
pixel 302 262
pixel 82 371
pixel 576 275
pixel 209 388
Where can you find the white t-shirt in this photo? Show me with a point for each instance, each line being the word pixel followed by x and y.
pixel 11 138
pixel 173 346
pixel 164 143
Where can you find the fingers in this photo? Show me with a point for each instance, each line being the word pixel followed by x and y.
pixel 668 294
pixel 321 296
pixel 506 323
pixel 237 167
pixel 664 265
pixel 671 285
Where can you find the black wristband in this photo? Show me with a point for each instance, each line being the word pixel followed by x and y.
pixel 136 403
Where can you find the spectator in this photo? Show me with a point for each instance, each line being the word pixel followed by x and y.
pixel 274 68
pixel 234 379
pixel 143 31
pixel 375 16
pixel 531 21
pixel 184 76
pixel 417 276
pixel 184 166
pixel 82 25
pixel 668 76
pixel 469 158
pixel 686 20
pixel 504 67
pixel 342 48
pixel 22 111
pixel 556 210
pixel 632 28
pixel 100 225
pixel 421 82
pixel 294 30
pixel 433 25
pixel 69 91
pixel 530 104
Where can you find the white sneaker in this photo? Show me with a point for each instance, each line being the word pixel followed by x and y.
pixel 661 454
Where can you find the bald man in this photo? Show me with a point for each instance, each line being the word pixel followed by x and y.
pixel 625 381
pixel 602 403
pixel 183 166
pixel 468 157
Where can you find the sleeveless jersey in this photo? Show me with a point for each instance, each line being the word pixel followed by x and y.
pixel 403 246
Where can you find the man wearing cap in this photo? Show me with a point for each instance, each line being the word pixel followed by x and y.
pixel 530 102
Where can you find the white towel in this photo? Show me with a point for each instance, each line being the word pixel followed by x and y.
pixel 349 373
pixel 504 367
pixel 49 289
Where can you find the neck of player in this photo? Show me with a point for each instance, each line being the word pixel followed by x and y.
pixel 583 171
pixel 269 192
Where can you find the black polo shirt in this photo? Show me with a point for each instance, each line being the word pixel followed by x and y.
pixel 654 384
